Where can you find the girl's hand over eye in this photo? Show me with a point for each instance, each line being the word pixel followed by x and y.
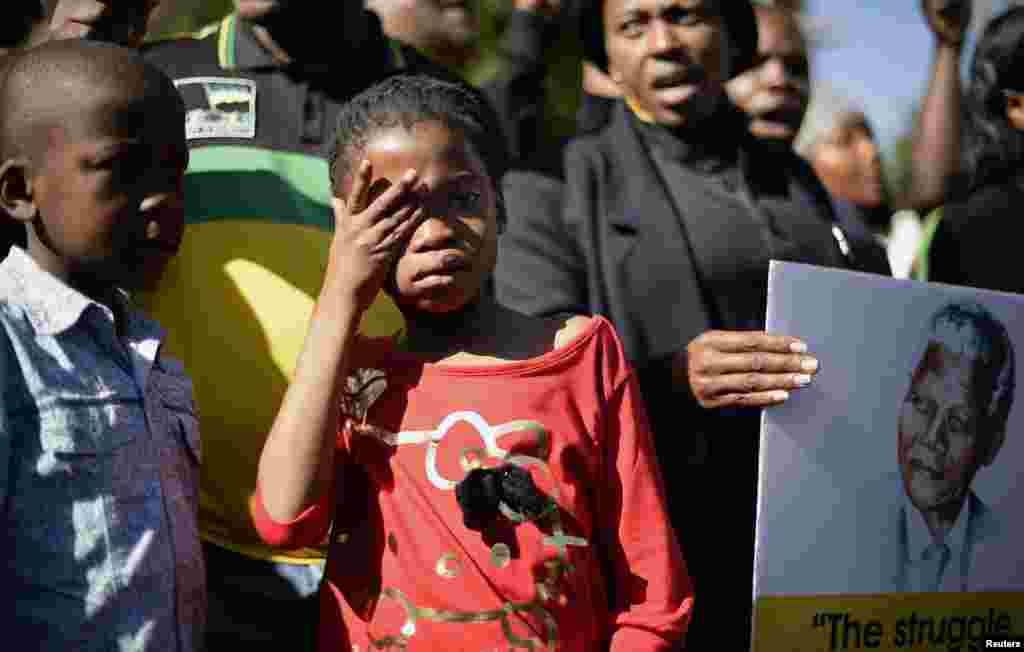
pixel 369 233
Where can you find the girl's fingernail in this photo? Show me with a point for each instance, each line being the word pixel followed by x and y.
pixel 798 347
pixel 809 364
pixel 780 396
pixel 802 380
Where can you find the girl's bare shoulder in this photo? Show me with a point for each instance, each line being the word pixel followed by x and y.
pixel 571 328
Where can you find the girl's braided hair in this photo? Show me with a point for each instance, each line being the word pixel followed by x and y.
pixel 408 100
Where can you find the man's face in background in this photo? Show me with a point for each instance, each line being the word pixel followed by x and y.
pixel 775 92
pixel 445 29
pixel 114 21
pixel 941 438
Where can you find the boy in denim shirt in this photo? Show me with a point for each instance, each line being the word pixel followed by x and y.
pixel 99 444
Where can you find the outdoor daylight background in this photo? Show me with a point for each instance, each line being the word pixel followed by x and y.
pixel 873 54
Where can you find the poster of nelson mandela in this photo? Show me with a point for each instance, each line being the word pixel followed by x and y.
pixel 891 487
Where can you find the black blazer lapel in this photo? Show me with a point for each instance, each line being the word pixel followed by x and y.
pixel 648 260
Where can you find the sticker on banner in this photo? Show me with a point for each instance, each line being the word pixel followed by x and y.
pixel 218 107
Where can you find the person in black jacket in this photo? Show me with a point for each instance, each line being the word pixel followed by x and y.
pixel 775 93
pixel 976 240
pixel 664 223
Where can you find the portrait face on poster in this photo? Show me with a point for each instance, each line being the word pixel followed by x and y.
pixel 888 488
pixel 953 418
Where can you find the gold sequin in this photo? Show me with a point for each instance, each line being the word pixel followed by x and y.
pixel 501 555
pixel 414 613
pixel 472 458
pixel 449 566
pixel 550 522
pixel 341 537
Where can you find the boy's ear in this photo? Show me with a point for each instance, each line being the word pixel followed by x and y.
pixel 16 190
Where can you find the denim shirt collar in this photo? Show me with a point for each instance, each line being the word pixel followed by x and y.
pixel 53 307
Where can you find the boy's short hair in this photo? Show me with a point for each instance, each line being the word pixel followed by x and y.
pixel 37 89
pixel 408 100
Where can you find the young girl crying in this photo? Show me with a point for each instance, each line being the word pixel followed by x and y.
pixel 486 479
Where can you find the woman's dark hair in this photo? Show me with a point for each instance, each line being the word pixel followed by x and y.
pixel 738 16
pixel 408 100
pixel 994 148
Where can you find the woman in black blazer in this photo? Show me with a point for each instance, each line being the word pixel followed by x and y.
pixel 976 243
pixel 664 222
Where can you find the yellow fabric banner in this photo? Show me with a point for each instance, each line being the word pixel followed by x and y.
pixel 956 622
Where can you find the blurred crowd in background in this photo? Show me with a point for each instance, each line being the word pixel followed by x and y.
pixel 824 28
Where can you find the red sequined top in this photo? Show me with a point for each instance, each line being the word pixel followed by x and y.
pixel 601 571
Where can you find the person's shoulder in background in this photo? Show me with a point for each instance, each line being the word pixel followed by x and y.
pixel 185 53
pixel 974 242
pixel 594 113
pixel 527 191
pixel 869 253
